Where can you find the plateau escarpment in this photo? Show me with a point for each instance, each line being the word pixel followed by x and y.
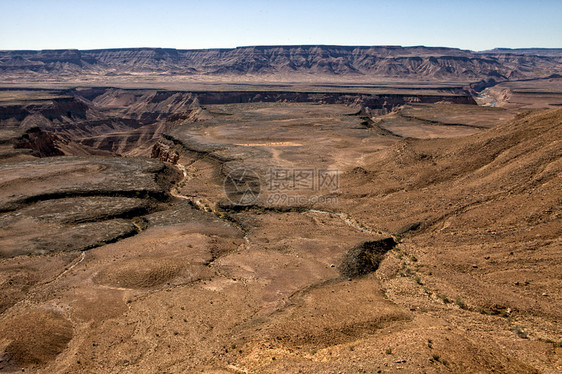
pixel 363 63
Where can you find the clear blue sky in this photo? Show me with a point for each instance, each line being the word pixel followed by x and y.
pixel 468 24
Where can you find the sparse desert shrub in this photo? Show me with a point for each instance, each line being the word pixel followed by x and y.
pixel 495 310
pixel 520 332
pixel 461 303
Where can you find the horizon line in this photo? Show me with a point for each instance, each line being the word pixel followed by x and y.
pixel 277 46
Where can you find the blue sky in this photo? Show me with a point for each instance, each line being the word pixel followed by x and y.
pixel 476 24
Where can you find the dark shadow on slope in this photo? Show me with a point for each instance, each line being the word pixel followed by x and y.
pixel 365 257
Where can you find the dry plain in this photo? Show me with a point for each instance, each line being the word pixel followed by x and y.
pixel 436 249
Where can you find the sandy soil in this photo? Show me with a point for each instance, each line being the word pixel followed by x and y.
pixel 467 196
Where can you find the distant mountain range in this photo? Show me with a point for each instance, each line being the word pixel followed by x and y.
pixel 426 63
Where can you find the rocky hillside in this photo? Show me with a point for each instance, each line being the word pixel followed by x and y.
pixel 423 63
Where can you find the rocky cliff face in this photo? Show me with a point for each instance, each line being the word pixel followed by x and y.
pixel 372 62
pixel 42 143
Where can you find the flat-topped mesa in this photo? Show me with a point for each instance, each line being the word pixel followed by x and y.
pixel 365 62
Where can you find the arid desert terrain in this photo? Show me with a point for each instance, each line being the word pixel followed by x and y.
pixel 305 209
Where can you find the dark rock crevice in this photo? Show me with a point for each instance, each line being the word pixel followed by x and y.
pixel 366 257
